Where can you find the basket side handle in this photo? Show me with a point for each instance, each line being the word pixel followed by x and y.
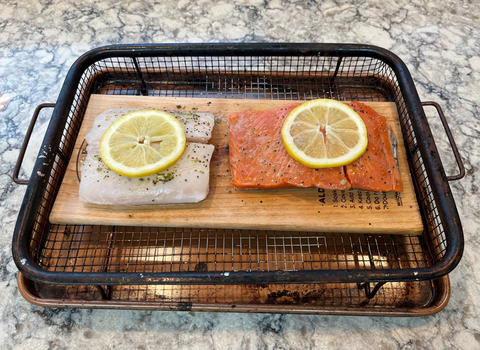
pixel 21 156
pixel 458 159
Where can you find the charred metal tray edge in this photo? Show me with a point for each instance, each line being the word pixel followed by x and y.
pixel 440 299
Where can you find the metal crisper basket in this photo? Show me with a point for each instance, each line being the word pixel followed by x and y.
pixel 114 255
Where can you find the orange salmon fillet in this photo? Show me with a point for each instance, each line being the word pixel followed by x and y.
pixel 376 170
pixel 258 158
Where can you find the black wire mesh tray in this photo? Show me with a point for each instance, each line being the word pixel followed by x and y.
pixel 114 255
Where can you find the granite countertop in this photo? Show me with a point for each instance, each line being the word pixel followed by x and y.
pixel 439 42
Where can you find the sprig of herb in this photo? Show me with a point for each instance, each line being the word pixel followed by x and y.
pixel 163 178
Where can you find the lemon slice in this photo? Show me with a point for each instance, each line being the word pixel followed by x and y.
pixel 142 143
pixel 324 133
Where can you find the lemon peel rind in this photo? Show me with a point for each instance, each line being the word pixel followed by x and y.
pixel 149 169
pixel 311 162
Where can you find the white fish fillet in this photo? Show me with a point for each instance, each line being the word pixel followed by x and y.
pixel 198 125
pixel 187 181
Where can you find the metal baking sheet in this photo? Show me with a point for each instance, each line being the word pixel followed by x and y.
pixel 392 299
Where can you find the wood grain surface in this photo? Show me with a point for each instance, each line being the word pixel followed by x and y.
pixel 225 207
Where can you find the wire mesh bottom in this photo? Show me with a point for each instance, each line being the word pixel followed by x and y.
pixel 149 249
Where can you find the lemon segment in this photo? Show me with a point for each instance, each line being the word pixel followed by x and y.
pixel 324 133
pixel 142 143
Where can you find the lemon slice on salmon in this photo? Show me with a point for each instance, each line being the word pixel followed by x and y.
pixel 324 133
pixel 142 143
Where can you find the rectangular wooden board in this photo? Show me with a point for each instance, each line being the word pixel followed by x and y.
pixel 225 207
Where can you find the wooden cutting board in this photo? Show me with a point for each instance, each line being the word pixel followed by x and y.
pixel 225 207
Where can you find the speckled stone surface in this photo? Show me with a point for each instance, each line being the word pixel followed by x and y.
pixel 439 42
